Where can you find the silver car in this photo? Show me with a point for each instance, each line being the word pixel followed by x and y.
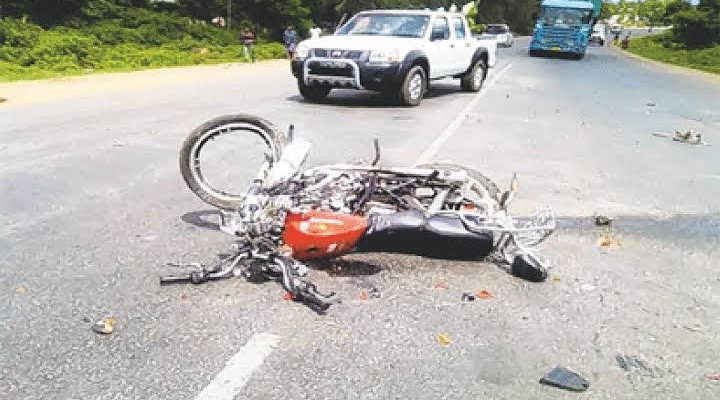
pixel 501 33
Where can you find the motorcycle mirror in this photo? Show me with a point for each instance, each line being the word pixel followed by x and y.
pixel 291 133
pixel 376 143
pixel 507 197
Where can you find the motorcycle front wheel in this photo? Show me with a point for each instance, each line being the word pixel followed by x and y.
pixel 221 157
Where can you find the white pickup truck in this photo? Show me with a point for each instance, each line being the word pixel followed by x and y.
pixel 396 52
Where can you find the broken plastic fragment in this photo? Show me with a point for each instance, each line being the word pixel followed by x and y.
pixel 105 326
pixel 483 294
pixel 563 378
pixel 363 295
pixel 443 339
pixel 287 296
pixel 441 285
pixel 467 297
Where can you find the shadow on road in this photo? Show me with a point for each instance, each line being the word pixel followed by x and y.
pixel 355 98
pixel 208 219
pixel 342 267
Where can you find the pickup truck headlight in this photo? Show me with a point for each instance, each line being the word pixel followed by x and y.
pixel 302 50
pixel 384 56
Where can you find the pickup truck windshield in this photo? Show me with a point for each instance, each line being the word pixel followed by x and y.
pixel 565 16
pixel 386 25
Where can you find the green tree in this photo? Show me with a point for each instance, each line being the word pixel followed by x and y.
pixel 652 11
pixel 700 26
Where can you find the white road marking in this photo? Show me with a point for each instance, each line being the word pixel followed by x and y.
pixel 434 147
pixel 228 382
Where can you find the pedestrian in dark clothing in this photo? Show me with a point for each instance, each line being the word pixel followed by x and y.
pixel 290 40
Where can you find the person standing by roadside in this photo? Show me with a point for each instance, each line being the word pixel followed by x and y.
pixel 315 32
pixel 290 39
pixel 248 40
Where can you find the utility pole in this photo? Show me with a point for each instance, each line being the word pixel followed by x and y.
pixel 229 14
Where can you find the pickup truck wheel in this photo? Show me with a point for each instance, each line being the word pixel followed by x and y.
pixel 473 80
pixel 413 87
pixel 313 93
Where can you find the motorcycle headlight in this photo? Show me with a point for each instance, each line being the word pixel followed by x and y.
pixel 302 50
pixel 384 56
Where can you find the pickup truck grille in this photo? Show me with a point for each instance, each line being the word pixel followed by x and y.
pixel 329 69
pixel 331 53
pixel 558 36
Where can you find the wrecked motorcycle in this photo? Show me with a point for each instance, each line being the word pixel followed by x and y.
pixel 288 215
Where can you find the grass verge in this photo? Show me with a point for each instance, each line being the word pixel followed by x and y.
pixel 661 48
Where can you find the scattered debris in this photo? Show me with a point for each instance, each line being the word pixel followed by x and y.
pixel 607 240
pixel 602 220
pixel 287 296
pixel 587 287
pixel 105 326
pixel 650 103
pixel 183 296
pixel 661 134
pixel 375 293
pixel 563 378
pixel 363 295
pixel 118 143
pixel 443 339
pixel 556 279
pixel 20 289
pixel 713 377
pixel 3 99
pixel 467 297
pixel 441 285
pixel 637 366
pixel 483 294
pixel 688 137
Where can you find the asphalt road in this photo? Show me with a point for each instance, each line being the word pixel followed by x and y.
pixel 93 206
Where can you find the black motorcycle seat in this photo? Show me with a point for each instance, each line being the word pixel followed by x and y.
pixel 411 232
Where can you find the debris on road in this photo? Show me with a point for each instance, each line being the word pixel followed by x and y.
pixel 287 296
pixel 585 287
pixel 556 279
pixel 105 326
pixel 607 240
pixel 602 220
pixel 483 294
pixel 441 285
pixel 20 289
pixel 713 377
pixel 467 297
pixel 118 143
pixel 563 378
pixel 3 99
pixel 688 137
pixel 661 134
pixel 363 295
pixel 636 365
pixel 650 103
pixel 443 339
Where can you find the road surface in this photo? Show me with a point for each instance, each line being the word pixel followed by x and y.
pixel 93 206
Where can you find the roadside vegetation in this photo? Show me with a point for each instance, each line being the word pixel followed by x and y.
pixel 693 41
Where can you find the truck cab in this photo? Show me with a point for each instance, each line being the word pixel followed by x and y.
pixel 396 52
pixel 563 26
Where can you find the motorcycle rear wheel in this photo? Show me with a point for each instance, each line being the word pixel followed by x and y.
pixel 243 124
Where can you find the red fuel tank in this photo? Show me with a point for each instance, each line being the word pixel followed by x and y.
pixel 318 234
